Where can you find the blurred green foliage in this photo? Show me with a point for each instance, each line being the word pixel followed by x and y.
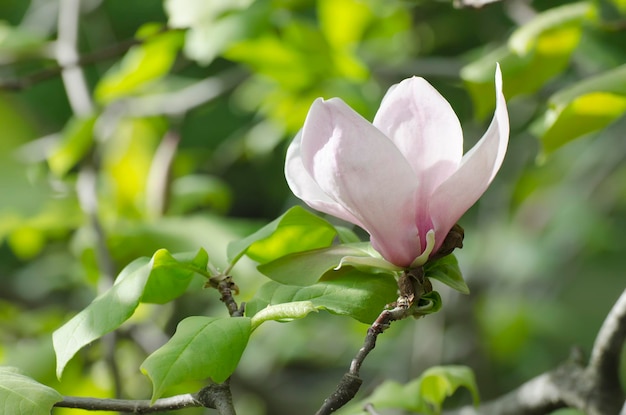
pixel 193 104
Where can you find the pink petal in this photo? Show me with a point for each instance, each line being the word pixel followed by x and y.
pixel 424 127
pixel 305 188
pixel 478 168
pixel 362 170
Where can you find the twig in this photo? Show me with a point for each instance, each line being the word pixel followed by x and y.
pixel 101 55
pixel 594 388
pixel 412 285
pixel 351 382
pixel 214 396
pixel 225 286
pixel 218 396
pixel 131 406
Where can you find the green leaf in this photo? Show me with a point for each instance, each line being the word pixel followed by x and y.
pixel 22 395
pixel 141 65
pixel 429 303
pixel 447 271
pixel 535 53
pixel 343 22
pixel 440 382
pixel 77 137
pixel 160 279
pixel 171 275
pixel 347 235
pixel 201 348
pixel 425 394
pixel 306 268
pixel 587 106
pixel 345 292
pixel 283 312
pixel 529 37
pixel 294 231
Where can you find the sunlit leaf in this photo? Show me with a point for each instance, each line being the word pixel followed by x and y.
pixel 76 140
pixel 141 65
pixel 127 158
pixel 447 271
pixel 586 106
pixel 201 348
pixel 170 275
pixel 530 36
pixel 22 395
pixel 296 230
pixel 343 23
pixel 161 278
pixel 186 13
pixel 213 25
pixel 344 292
pixel 294 60
pixel 535 53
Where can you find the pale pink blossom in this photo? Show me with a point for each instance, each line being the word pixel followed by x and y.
pixel 403 178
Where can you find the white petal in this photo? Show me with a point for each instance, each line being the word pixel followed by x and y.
pixel 478 168
pixel 424 127
pixel 305 188
pixel 360 168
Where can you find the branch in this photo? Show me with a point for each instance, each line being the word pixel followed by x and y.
pixel 214 396
pixel 101 55
pixel 594 388
pixel 412 285
pixel 130 406
pixel 67 53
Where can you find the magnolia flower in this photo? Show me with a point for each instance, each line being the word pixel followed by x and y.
pixel 403 178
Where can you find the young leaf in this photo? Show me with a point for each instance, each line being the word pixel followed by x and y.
pixel 159 279
pixel 283 312
pixel 22 395
pixel 430 303
pixel 306 268
pixel 345 292
pixel 447 271
pixel 171 275
pixel 295 231
pixel 201 348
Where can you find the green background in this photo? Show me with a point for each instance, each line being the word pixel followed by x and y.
pixel 228 84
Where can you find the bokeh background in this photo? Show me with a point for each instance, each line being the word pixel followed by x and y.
pixel 174 136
